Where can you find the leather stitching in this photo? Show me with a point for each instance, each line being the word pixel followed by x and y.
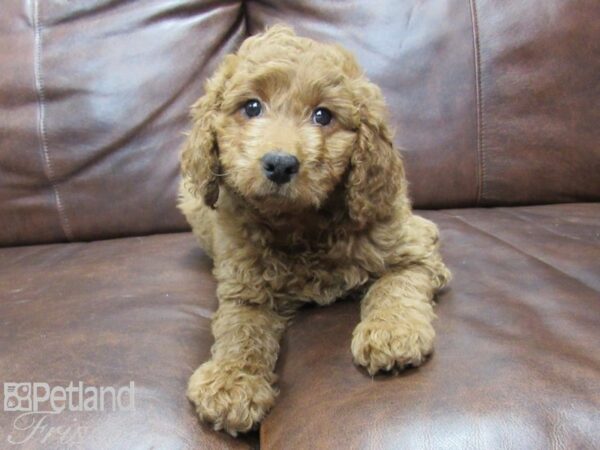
pixel 41 98
pixel 479 98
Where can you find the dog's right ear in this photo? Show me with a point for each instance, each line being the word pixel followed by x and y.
pixel 200 164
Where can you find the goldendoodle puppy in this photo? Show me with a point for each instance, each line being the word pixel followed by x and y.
pixel 292 185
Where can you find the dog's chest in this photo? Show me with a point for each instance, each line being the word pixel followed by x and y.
pixel 320 277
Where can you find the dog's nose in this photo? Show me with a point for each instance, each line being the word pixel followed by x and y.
pixel 279 167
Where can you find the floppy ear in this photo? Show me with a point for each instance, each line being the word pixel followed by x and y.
pixel 376 175
pixel 200 164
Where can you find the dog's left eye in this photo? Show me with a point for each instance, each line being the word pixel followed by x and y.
pixel 322 116
pixel 252 108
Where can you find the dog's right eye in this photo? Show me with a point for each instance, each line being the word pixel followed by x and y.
pixel 252 108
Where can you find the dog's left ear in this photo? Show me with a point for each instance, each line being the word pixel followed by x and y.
pixel 200 164
pixel 376 175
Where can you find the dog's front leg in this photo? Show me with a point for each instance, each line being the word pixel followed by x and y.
pixel 234 390
pixel 396 315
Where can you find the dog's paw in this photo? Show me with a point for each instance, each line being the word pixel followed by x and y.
pixel 229 397
pixel 379 345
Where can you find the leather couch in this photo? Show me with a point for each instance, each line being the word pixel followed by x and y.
pixel 496 106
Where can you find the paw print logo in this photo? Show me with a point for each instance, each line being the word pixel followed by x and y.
pixel 17 397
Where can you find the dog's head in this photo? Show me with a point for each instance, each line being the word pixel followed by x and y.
pixel 287 120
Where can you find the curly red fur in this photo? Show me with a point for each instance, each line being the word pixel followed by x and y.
pixel 342 224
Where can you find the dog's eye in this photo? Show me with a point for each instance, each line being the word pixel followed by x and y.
pixel 322 116
pixel 252 108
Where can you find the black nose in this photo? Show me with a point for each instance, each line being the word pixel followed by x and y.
pixel 279 167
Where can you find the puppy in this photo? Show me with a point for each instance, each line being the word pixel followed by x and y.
pixel 292 184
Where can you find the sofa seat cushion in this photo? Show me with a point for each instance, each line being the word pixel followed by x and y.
pixel 107 313
pixel 516 364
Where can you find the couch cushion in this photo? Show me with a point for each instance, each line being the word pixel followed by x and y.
pixel 107 313
pixel 93 111
pixel 515 365
pixel 421 55
pixel 516 362
pixel 495 103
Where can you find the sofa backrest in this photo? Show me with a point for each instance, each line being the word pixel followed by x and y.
pixel 493 102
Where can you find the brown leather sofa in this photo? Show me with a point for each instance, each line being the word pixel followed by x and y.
pixel 497 107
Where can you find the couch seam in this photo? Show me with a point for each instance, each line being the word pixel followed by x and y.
pixel 479 103
pixel 246 19
pixel 43 137
pixel 521 251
